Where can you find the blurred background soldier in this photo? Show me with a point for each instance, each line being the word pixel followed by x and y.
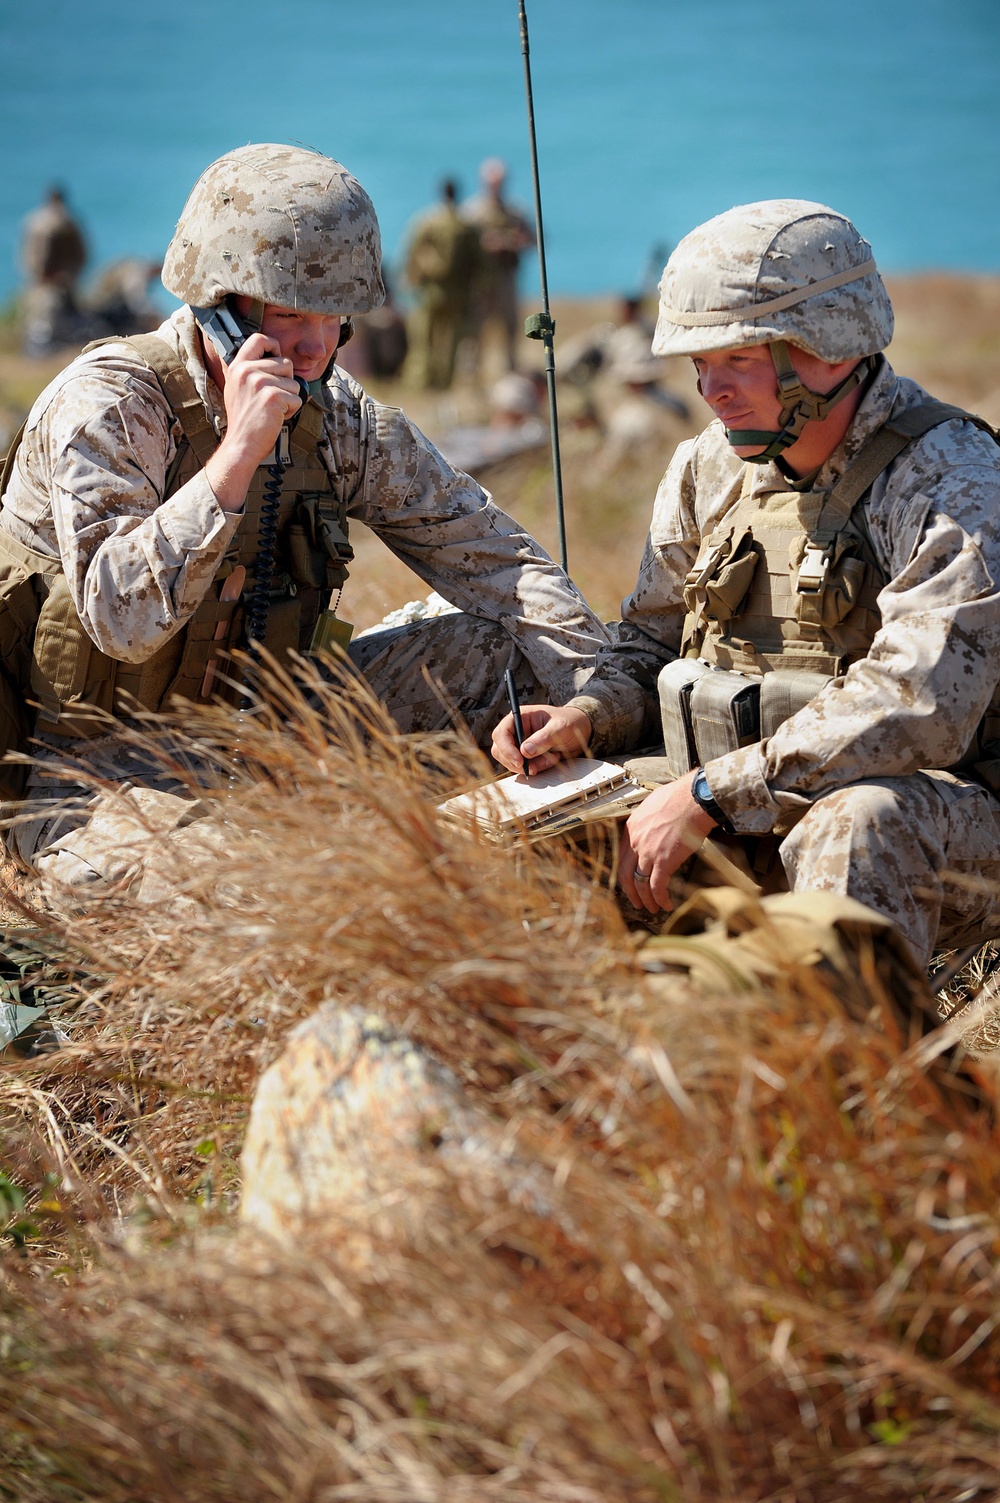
pixel 440 265
pixel 504 235
pixel 53 254
pixel 119 296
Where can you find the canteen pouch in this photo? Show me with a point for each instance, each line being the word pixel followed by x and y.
pixel 783 693
pixel 725 713
pixel 674 684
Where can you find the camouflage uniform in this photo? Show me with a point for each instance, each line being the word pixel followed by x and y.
pixel 90 489
pixel 441 262
pixel 53 254
pixel 504 234
pixel 858 775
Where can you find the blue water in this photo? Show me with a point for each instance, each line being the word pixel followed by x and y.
pixel 651 114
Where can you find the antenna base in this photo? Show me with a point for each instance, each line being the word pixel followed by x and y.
pixel 539 326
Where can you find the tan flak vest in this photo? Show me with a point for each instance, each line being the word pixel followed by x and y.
pixel 782 598
pixel 49 661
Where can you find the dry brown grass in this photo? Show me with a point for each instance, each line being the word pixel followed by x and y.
pixel 763 1265
pixel 771 1269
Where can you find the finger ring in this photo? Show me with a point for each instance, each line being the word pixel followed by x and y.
pixel 639 876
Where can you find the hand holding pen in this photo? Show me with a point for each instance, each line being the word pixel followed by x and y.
pixel 515 710
pixel 548 733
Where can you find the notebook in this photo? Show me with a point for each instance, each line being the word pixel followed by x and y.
pixel 570 794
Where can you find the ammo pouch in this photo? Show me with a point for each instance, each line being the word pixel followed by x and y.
pixel 717 585
pixel 707 711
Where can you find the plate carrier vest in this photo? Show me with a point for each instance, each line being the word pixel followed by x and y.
pixel 50 666
pixel 782 598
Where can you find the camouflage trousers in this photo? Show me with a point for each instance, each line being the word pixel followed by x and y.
pixel 430 676
pixel 924 851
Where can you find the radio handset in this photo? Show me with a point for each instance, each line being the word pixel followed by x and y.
pixel 224 328
pixel 228 333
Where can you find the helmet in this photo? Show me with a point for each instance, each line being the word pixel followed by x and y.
pixel 284 226
pixel 780 272
pixel 782 269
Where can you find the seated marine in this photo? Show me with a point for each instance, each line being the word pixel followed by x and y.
pixel 815 628
pixel 179 494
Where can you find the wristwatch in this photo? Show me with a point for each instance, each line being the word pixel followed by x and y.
pixel 705 799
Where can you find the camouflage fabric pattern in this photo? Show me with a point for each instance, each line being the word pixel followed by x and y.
pixel 88 488
pixel 774 252
pixel 924 851
pixel 434 674
pixel 281 224
pixel 913 703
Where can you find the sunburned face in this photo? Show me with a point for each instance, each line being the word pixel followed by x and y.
pixel 308 340
pixel 741 386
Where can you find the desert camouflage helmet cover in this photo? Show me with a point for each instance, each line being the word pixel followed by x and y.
pixel 284 225
pixel 782 269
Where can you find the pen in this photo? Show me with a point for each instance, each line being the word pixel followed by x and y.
pixel 515 709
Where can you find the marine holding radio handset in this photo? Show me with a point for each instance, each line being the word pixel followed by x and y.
pixel 262 359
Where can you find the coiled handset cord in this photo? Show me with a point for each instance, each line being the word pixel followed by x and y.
pixel 259 604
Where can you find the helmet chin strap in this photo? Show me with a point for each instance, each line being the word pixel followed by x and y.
pixel 799 405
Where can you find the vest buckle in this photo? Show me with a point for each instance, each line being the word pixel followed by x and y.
pixel 814 568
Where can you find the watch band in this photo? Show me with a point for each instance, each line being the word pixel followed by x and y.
pixel 703 796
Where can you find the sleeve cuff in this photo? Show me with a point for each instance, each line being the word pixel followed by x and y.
pixel 739 788
pixel 195 523
pixel 614 728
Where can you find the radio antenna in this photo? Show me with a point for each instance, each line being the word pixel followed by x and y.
pixel 541 325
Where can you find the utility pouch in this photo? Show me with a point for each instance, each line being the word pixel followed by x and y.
pixel 674 684
pixel 284 616
pixel 725 713
pixel 717 586
pixel 827 579
pixel 69 676
pixel 320 551
pixel 307 560
pixel 784 692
